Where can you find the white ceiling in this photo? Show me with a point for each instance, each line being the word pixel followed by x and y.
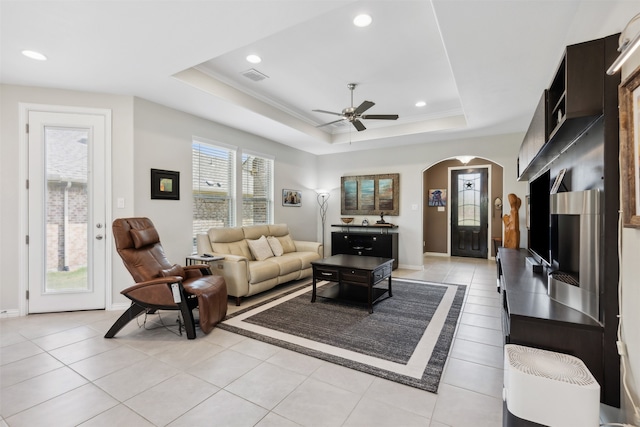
pixel 480 65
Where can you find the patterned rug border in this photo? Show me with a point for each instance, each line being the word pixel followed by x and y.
pixel 433 369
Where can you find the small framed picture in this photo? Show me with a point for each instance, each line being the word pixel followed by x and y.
pixel 165 184
pixel 291 197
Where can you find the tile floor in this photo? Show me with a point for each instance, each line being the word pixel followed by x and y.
pixel 57 369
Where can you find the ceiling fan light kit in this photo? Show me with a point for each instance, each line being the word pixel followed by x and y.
pixel 354 114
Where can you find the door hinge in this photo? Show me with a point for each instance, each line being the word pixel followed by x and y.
pixel 27 294
pixel 26 127
pixel 27 184
pixel 26 239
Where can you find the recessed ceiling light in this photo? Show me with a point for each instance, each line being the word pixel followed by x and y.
pixel 363 20
pixel 34 55
pixel 420 104
pixel 254 59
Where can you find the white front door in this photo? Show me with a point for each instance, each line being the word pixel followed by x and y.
pixel 67 234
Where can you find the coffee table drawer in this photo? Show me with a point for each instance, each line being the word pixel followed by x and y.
pixel 326 274
pixel 355 276
pixel 381 273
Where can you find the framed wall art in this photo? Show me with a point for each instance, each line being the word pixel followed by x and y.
pixel 438 197
pixel 165 184
pixel 370 194
pixel 291 197
pixel 629 92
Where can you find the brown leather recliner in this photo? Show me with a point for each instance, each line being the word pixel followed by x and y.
pixel 161 285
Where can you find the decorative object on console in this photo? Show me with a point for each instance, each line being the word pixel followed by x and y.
pixel 291 198
pixel 165 184
pixel 365 222
pixel 629 150
pixel 370 194
pixel 512 224
pixel 323 197
pixel 346 220
pixel 381 221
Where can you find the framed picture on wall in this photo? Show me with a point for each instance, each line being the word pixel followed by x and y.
pixel 438 197
pixel 630 149
pixel 165 184
pixel 291 198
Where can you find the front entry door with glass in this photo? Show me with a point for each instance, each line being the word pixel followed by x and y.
pixel 67 211
pixel 469 212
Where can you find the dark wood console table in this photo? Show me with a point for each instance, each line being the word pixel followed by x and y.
pixel 366 240
pixel 356 277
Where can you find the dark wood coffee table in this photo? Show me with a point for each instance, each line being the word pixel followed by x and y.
pixel 355 276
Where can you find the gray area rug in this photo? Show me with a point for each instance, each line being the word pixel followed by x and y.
pixel 388 343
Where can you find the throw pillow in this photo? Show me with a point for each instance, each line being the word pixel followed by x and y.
pixel 276 247
pixel 260 248
pixel 287 243
pixel 175 270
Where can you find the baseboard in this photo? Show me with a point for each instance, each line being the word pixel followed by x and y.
pixel 9 313
pixel 410 267
pixel 435 254
pixel 119 306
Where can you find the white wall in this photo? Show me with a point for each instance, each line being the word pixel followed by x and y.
pixel 630 291
pixel 410 162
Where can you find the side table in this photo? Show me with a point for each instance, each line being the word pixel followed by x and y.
pixel 199 259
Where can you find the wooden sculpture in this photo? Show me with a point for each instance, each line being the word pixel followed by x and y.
pixel 512 224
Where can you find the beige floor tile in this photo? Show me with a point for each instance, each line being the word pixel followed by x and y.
pixel 107 362
pixel 275 420
pixel 481 321
pixel 483 310
pixel 481 335
pixel 222 409
pixel 188 353
pixel 296 362
pixel 25 369
pixel 345 378
pixel 18 351
pixel 69 409
pixel 61 339
pixel 84 349
pixel 373 413
pixel 117 416
pixel 404 397
pixel 225 367
pixel 127 382
pixel 475 377
pixel 315 403
pixel 24 395
pixel 463 408
pixel 171 399
pixel 483 354
pixel 254 348
pixel 266 385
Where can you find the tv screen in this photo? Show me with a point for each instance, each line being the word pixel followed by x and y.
pixel 539 219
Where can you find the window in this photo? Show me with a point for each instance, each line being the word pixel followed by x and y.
pixel 469 199
pixel 213 168
pixel 257 189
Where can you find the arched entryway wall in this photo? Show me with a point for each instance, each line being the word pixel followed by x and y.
pixel 435 225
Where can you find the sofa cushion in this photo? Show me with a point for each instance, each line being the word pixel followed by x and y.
pixel 259 271
pixel 260 248
pixel 225 235
pixel 307 257
pixel 240 248
pixel 287 263
pixel 287 244
pixel 253 232
pixel 276 247
pixel 278 230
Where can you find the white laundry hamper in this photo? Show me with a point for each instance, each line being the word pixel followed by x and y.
pixel 550 388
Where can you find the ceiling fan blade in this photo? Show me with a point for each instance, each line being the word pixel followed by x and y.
pixel 330 123
pixel 327 112
pixel 358 125
pixel 363 107
pixel 380 116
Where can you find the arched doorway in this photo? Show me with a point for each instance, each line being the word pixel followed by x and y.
pixel 437 227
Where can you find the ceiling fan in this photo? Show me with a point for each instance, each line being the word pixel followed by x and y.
pixel 354 114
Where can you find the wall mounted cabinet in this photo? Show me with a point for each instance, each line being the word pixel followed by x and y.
pixel 574 102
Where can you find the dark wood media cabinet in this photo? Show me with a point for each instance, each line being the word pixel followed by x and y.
pixel 531 318
pixel 379 242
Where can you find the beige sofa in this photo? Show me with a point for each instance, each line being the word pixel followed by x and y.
pixel 249 267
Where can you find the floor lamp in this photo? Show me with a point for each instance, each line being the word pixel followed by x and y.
pixel 322 197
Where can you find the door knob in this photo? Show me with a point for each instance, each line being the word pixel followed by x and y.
pixel 99 237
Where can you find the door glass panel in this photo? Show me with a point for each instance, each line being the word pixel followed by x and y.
pixel 469 199
pixel 66 201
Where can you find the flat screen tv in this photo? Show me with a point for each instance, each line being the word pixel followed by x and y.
pixel 539 217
